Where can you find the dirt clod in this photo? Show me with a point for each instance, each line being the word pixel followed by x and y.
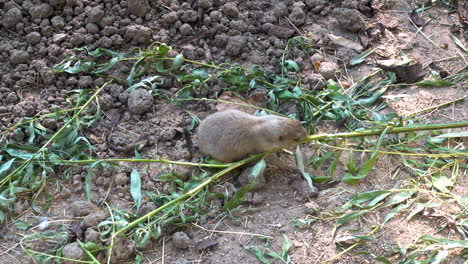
pixel 349 19
pixel 82 208
pixel 181 240
pixel 139 101
pixel 73 251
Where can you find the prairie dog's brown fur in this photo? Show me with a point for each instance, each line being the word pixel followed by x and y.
pixel 231 135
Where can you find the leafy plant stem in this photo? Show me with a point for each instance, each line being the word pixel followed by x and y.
pixel 95 261
pixel 188 194
pixel 400 153
pixel 82 108
pixel 374 132
pixel 350 247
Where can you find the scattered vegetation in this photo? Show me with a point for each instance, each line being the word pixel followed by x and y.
pixel 38 154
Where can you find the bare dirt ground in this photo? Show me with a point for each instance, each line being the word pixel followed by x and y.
pixel 35 35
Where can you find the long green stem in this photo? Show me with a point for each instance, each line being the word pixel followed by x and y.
pixel 394 130
pixel 187 194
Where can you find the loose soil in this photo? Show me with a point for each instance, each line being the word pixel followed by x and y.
pixel 36 34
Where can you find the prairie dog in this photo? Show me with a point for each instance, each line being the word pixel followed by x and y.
pixel 231 135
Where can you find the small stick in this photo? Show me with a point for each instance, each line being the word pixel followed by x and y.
pixel 435 107
pixel 430 40
pixel 232 232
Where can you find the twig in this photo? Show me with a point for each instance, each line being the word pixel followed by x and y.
pixel 234 233
pixel 435 107
pixel 163 245
pixel 428 39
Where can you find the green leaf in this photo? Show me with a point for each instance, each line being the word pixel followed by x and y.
pixel 6 166
pixel 449 242
pixel 454 135
pixel 441 183
pixel 361 57
pixel 368 165
pixel 286 247
pixel 291 65
pixel 395 211
pixel 434 83
pixel 149 83
pixel 176 63
pixel 332 168
pixel 22 225
pixel 458 42
pixel 364 197
pixel 350 217
pixel 351 165
pixel 138 69
pixel 19 153
pixel 135 188
pixel 398 198
pixel 317 163
pixel 300 167
pixel 258 254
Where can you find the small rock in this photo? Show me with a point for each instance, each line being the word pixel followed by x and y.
pixel 121 178
pixel 12 17
pixel 186 29
pixel 183 172
pixel 85 82
pixel 189 16
pixel 92 28
pixel 138 33
pixel 76 39
pixel 349 19
pixel 228 189
pixel 297 16
pixel 93 219
pixel 123 249
pixel 205 4
pixel 40 11
pixel 316 5
pixel 106 101
pixel 215 16
pixel 11 98
pixel 171 17
pixel 235 45
pixel 301 187
pixel 231 10
pixel 181 240
pixel 59 38
pixel 73 251
pixel 19 57
pixel 140 101
pixel 91 235
pixel 58 22
pixel 95 14
pixel 315 81
pixel 328 69
pixel 57 4
pixel 138 8
pixel 82 208
pixel 280 32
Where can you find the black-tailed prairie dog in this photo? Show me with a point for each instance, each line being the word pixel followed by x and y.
pixel 231 135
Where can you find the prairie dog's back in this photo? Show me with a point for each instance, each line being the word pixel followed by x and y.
pixel 231 135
